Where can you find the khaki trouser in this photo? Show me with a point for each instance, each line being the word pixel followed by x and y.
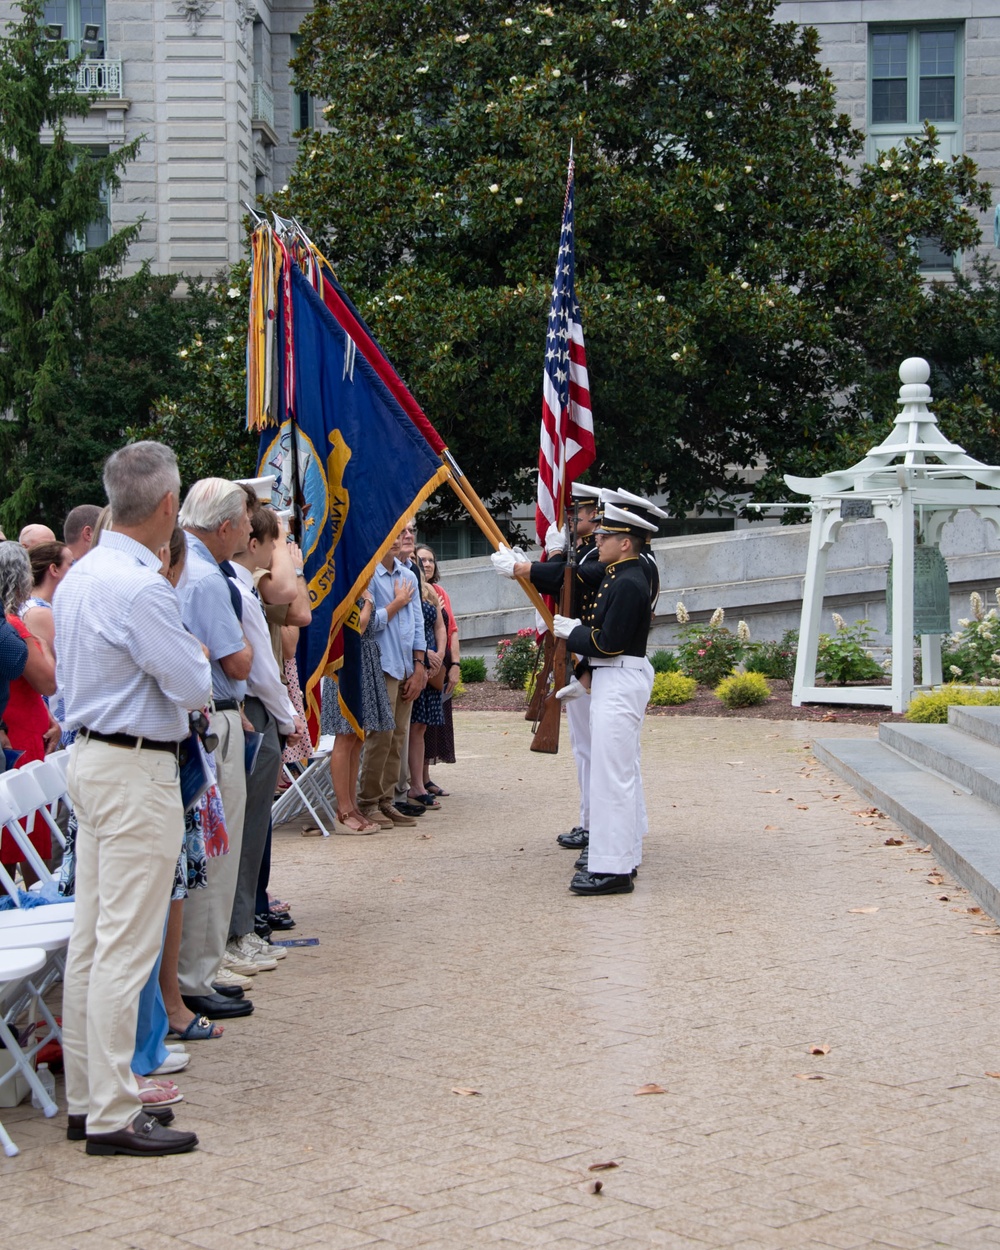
pixel 383 751
pixel 207 912
pixel 131 825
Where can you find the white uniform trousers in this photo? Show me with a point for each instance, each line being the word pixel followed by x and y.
pixel 578 717
pixel 207 912
pixel 131 825
pixel 618 699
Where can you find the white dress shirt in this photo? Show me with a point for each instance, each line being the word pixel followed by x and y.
pixel 125 663
pixel 264 682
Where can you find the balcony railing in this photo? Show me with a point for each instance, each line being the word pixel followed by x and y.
pixel 262 104
pixel 100 78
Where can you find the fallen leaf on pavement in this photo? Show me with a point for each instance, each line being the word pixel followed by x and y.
pixel 863 911
pixel 986 932
pixel 424 837
pixel 466 1093
pixel 650 1089
pixel 809 1076
pixel 974 911
pixel 893 842
pixel 822 1048
pixel 595 1187
pixel 602 1167
pixel 802 807
pixel 829 716
pixel 770 828
pixel 778 791
pixel 396 880
pixel 995 1075
pixel 734 762
pixel 944 898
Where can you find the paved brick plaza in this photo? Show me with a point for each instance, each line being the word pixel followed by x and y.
pixel 460 960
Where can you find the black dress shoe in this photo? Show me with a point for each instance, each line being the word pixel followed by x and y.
pixel 279 921
pixel 582 860
pixel 228 991
pixel 76 1125
pixel 410 809
pixel 145 1136
pixel 217 1006
pixel 577 838
pixel 602 883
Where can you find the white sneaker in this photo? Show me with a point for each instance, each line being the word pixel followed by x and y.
pixel 240 964
pixel 226 976
pixel 264 947
pixel 172 1063
pixel 242 948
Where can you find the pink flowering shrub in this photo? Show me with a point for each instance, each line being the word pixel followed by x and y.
pixel 516 659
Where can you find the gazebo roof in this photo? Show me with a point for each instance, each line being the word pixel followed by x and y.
pixel 914 453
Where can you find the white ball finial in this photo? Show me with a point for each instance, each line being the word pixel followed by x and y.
pixel 914 371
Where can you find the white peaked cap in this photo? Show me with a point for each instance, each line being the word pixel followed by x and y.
pixel 584 493
pixel 625 497
pixel 619 521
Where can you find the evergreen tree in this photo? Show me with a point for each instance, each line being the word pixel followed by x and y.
pixel 746 284
pixel 51 190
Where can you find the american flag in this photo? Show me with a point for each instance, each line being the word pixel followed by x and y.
pixel 567 440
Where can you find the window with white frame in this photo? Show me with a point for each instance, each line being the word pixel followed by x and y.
pixel 915 76
pixel 81 24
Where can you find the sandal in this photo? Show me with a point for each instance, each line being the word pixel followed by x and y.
pixel 359 815
pixel 277 906
pixel 199 1029
pixel 433 788
pixel 426 800
pixel 158 1093
pixel 354 822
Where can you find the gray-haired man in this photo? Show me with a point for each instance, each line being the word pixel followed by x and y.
pixel 217 521
pixel 130 673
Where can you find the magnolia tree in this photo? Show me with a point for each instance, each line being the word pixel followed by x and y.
pixel 741 278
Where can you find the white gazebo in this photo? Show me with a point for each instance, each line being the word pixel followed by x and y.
pixel 914 482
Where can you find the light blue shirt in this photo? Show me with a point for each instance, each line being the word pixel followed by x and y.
pixel 125 662
pixel 208 612
pixel 399 638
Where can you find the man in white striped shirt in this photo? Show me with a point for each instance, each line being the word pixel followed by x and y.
pixel 130 673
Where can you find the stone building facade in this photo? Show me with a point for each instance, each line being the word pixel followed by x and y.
pixel 207 83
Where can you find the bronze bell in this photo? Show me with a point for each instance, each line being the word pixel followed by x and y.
pixel 931 599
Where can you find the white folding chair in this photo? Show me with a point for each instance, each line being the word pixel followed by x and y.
pixel 20 798
pixel 16 968
pixel 50 783
pixel 309 786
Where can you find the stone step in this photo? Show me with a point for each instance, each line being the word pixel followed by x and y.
pixel 969 762
pixel 978 722
pixel 963 831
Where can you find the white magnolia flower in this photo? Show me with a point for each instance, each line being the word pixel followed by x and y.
pixel 230 338
pixel 886 164
pixel 673 355
pixel 518 199
pixel 234 292
pixel 690 17
pixel 839 621
pixel 398 138
pixel 557 73
pixel 748 169
pixel 462 38
pixel 770 303
pixel 494 188
pixel 717 617
pixel 744 286
pixel 895 196
pixel 182 353
pixel 284 188
pixel 421 69
pixel 661 299
pixel 743 631
pixel 526 30
pixel 709 114
pixel 545 43
pixel 720 208
pixel 683 616
pixel 508 21
pixel 620 23
pixel 976 603
pixel 954 670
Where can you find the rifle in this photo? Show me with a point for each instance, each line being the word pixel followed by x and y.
pixel 546 707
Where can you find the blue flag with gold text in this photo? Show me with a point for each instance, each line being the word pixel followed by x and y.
pixel 361 467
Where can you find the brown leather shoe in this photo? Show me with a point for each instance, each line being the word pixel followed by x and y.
pixel 76 1125
pixel 145 1136
pixel 393 813
pixel 374 814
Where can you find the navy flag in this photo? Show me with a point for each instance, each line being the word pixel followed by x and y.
pixel 361 467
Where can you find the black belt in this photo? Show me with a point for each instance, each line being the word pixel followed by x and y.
pixel 226 705
pixel 126 740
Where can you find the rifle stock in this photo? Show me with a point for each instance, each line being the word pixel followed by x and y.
pixel 546 739
pixel 542 676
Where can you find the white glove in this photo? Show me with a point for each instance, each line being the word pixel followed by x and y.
pixel 555 541
pixel 563 626
pixel 503 561
pixel 572 690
